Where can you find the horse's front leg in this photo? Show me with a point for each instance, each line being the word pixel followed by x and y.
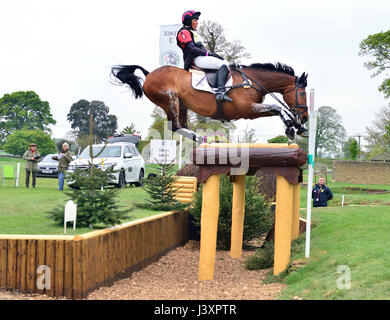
pixel 266 110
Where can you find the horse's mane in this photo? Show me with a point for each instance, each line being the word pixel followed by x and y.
pixel 277 67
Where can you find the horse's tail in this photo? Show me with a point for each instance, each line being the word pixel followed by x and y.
pixel 122 74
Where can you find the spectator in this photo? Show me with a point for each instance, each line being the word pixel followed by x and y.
pixel 321 194
pixel 64 159
pixel 32 156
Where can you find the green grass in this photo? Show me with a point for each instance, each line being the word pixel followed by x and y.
pixel 23 211
pixel 356 237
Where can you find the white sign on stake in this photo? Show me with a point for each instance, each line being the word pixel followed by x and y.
pixel 70 214
pixel 162 151
pixel 310 160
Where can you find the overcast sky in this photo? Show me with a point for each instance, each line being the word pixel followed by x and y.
pixel 64 50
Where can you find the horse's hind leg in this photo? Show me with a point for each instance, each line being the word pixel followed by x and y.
pixel 179 121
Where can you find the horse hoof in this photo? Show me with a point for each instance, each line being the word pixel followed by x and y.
pixel 302 132
pixel 290 133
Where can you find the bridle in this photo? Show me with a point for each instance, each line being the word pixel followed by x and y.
pixel 294 110
pixel 291 112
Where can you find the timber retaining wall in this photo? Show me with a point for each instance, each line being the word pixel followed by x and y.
pixel 73 266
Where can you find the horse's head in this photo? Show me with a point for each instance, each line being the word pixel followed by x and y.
pixel 296 99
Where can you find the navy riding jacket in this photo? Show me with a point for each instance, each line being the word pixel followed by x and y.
pixel 321 196
pixel 185 40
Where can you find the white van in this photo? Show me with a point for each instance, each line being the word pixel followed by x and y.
pixel 124 156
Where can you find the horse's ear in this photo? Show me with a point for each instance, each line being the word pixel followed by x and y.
pixel 302 79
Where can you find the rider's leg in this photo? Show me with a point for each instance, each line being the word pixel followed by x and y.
pixel 207 62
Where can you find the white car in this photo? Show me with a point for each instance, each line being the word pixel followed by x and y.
pixel 124 156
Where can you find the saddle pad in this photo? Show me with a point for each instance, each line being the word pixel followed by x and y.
pixel 199 81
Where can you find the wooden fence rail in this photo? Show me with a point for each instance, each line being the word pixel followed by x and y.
pixel 73 266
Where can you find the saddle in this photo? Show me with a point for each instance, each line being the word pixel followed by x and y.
pixel 200 75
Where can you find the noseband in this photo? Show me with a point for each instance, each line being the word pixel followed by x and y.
pixel 294 110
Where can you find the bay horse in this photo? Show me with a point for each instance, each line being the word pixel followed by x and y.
pixel 170 88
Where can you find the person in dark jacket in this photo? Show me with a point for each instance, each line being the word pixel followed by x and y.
pixel 321 194
pixel 194 53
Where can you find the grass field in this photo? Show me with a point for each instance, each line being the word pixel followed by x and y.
pixel 23 211
pixel 350 239
pixel 345 239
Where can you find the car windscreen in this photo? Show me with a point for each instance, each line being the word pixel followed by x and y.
pixel 108 152
pixel 49 159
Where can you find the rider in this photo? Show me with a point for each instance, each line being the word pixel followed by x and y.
pixel 195 53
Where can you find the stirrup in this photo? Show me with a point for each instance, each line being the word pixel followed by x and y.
pixel 223 97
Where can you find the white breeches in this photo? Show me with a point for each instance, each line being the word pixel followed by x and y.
pixel 207 62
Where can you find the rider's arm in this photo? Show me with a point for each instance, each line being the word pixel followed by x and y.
pixel 185 40
pixel 196 51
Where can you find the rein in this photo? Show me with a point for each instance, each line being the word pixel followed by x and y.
pixel 248 83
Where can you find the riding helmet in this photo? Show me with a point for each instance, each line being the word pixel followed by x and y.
pixel 188 16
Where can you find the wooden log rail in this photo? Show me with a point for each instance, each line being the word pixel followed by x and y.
pixel 73 266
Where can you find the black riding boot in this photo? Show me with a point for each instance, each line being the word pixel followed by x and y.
pixel 222 75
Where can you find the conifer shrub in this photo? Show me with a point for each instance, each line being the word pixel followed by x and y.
pixel 96 204
pixel 161 190
pixel 258 215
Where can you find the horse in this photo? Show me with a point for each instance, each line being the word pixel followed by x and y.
pixel 170 88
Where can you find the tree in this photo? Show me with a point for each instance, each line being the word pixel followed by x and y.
pixel 104 124
pixel 249 135
pixel 159 118
pixel 278 139
pixel 378 47
pixel 258 215
pixel 130 129
pixel 214 39
pixel 351 148
pixel 19 141
pixel 161 190
pixel 378 135
pixel 329 131
pixel 199 122
pixel 95 204
pixel 24 110
pixel 354 149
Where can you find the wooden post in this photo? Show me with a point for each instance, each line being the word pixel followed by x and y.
pixel 3 263
pixel 209 227
pixel 283 224
pixel 296 207
pixel 238 214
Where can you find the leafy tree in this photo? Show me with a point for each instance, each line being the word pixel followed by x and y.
pixel 104 124
pixel 249 135
pixel 199 122
pixel 378 135
pixel 73 146
pixel 159 118
pixel 377 46
pixel 278 139
pixel 351 148
pixel 130 129
pixel 24 110
pixel 18 142
pixel 329 131
pixel 214 39
pixel 354 149
pixel 258 214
